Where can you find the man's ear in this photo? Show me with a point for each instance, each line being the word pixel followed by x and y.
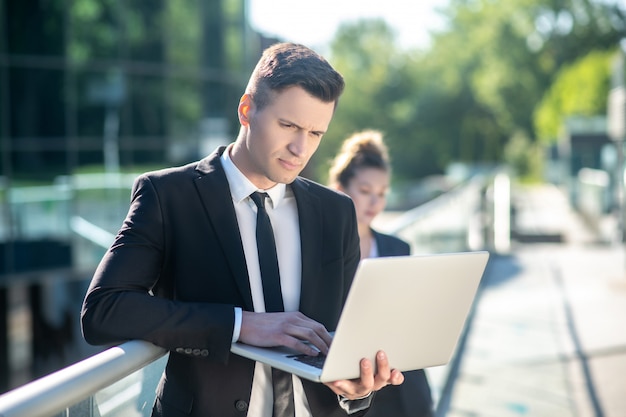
pixel 244 108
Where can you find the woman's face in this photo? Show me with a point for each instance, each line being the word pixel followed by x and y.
pixel 368 189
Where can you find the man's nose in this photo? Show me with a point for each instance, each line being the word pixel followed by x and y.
pixel 297 146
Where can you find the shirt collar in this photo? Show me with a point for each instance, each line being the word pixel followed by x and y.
pixel 241 187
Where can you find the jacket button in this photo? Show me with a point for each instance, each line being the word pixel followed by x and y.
pixel 241 405
pixel 204 352
pixel 180 350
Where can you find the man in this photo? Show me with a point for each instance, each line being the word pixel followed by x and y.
pixel 184 272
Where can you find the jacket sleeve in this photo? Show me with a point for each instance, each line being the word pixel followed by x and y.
pixel 119 304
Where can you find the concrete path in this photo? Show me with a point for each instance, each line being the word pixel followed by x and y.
pixel 548 333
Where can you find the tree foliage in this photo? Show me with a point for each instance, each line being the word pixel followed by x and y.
pixel 477 86
pixel 378 89
pixel 579 89
pixel 499 69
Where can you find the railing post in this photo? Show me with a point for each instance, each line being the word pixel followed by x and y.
pixel 502 213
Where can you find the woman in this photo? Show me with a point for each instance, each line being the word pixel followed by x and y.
pixel 362 171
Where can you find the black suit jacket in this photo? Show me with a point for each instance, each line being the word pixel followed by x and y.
pixel 413 397
pixel 177 269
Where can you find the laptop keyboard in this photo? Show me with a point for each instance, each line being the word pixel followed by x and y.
pixel 316 361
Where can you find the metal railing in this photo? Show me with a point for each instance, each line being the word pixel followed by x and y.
pixel 450 222
pixel 453 222
pixel 74 386
pixel 113 382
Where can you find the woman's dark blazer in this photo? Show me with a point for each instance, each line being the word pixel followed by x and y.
pixel 176 270
pixel 413 397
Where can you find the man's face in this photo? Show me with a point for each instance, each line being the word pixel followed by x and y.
pixel 282 137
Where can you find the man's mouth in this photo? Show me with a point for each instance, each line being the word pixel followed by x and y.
pixel 290 165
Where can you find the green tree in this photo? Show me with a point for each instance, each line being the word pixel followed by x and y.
pixel 579 89
pixel 524 157
pixel 497 59
pixel 476 87
pixel 377 86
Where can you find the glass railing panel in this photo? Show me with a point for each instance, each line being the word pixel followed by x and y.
pixel 111 383
pixel 132 396
pixel 449 223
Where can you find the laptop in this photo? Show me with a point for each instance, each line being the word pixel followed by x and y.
pixel 412 307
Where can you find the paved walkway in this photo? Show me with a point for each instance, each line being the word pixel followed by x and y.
pixel 548 334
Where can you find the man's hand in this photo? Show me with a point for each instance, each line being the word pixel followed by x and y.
pixel 291 329
pixel 358 388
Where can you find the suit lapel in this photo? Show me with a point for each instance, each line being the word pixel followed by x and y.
pixel 215 194
pixel 310 242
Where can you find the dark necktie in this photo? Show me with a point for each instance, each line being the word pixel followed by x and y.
pixel 270 276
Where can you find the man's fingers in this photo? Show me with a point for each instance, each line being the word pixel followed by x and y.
pixel 397 377
pixel 291 329
pixel 367 373
pixel 383 371
pixel 307 336
pixel 371 379
pixel 308 348
pixel 386 374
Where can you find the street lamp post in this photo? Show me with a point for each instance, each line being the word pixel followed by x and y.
pixel 109 92
pixel 617 130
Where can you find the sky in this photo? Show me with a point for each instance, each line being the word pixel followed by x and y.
pixel 314 23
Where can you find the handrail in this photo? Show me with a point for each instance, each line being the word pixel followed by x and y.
pixel 410 217
pixel 53 393
pixel 91 232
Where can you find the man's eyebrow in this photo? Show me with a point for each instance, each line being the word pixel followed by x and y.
pixel 289 122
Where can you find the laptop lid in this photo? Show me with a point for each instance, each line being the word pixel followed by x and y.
pixel 412 307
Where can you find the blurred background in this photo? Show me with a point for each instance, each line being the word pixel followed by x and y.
pixel 93 92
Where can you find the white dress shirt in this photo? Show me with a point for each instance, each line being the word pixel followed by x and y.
pixel 283 214
pixel 373 249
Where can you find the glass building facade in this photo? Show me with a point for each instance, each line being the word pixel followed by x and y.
pixel 93 92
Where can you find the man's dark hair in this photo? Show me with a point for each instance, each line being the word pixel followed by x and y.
pixel 285 65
